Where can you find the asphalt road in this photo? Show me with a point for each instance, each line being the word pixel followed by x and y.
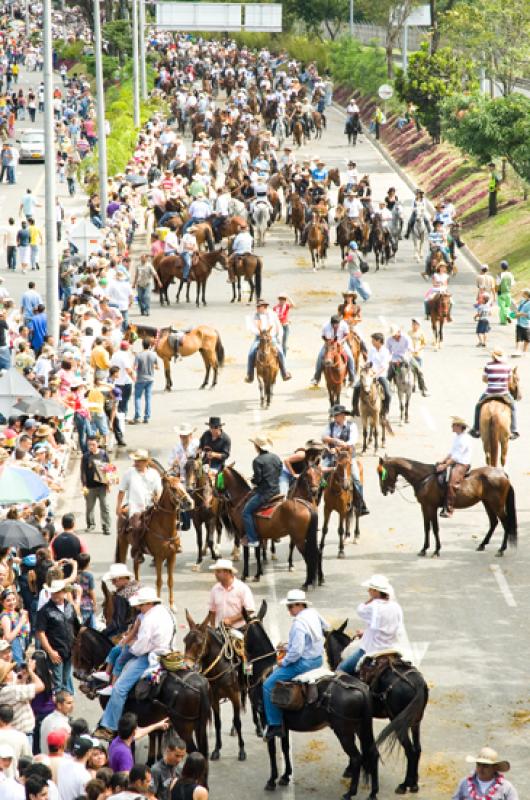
pixel 466 613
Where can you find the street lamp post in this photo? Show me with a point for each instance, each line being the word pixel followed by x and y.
pixel 52 266
pixel 100 110
pixel 143 66
pixel 351 18
pixel 136 91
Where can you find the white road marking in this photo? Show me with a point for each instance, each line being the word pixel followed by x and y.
pixel 428 418
pixel 411 651
pixel 502 583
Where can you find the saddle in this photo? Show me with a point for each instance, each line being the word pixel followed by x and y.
pixel 443 477
pixel 302 690
pixel 372 667
pixel 270 507
pixel 503 398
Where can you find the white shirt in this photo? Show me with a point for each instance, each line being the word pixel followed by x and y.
pixel 120 293
pixel 53 722
pixel 222 203
pixel 180 454
pixel 268 322
pixel 139 488
pixel 242 243
pixel 72 777
pixel 353 206
pixel 10 789
pixel 384 618
pixel 400 348
pixel 19 742
pixel 124 360
pixel 155 632
pixel 461 448
pixel 171 242
pixel 379 359
pixel 341 333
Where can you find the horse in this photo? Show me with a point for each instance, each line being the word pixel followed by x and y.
pixel 335 368
pixel 160 525
pixel 297 216
pixel 171 267
pixel 183 696
pixel 261 219
pixel 317 242
pixel 307 486
pixel 378 242
pixel 396 228
pixel 404 380
pixel 371 408
pixel 280 130
pixel 419 235
pixel 495 418
pixel 249 267
pixel 267 366
pixel 353 128
pixel 439 312
pixel 319 123
pixel 339 496
pixel 168 345
pixel 295 518
pixel 212 652
pixel 298 133
pixel 347 231
pixel 342 703
pixel 487 485
pixel 205 509
pixel 399 693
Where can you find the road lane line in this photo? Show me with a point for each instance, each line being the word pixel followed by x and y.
pixel 502 583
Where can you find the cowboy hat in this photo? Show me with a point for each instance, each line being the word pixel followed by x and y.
pixel 349 293
pixel 380 583
pixel 139 455
pixel 314 444
pixel 144 595
pixel 223 563
pixel 394 329
pixel 117 571
pixel 498 354
pixel 4 455
pixel 43 430
pixel 5 668
pixel 295 596
pixel 57 586
pixel 459 421
pixel 214 422
pixel 261 302
pixel 337 409
pixel 263 442
pixel 184 429
pixel 488 755
pixel 282 296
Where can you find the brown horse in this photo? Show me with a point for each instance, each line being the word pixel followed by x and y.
pixel 170 267
pixel 319 123
pixel 335 368
pixel 161 539
pixel 346 231
pixel 205 507
pixel 439 312
pixel 317 242
pixel 168 345
pixel 371 408
pixel 297 218
pixel 333 177
pixel 486 485
pixel 495 418
pixel 340 496
pixel 379 242
pixel 250 268
pixel 213 653
pixel 356 345
pixel 267 366
pixel 298 133
pixel 295 518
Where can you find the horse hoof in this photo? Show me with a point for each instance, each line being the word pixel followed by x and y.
pixel 256 579
pixel 284 780
pixel 341 554
pixel 401 789
pixel 347 772
pixel 321 581
pixel 436 554
pixel 481 548
pixel 414 788
pixel 270 786
pixel 274 557
pixel 499 554
pixel 215 756
pixel 242 756
pixel 422 553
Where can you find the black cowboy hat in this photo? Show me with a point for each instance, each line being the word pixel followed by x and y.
pixel 214 422
pixel 338 409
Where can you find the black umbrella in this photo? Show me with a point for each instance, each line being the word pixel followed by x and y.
pixel 40 407
pixel 16 533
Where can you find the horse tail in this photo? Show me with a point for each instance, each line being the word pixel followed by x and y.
pixel 219 350
pixel 259 267
pixel 369 751
pixel 511 517
pixel 493 440
pixel 311 552
pixel 398 728
pixel 324 120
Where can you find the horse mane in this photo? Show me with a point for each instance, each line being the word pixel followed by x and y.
pixel 243 484
pixel 408 463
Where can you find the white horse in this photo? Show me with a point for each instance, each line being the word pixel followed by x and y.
pixel 261 215
pixel 236 208
pixel 419 234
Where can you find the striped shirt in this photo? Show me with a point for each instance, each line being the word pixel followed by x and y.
pixel 498 377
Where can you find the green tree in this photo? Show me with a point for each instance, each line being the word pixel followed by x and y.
pixel 489 129
pixel 118 37
pixel 494 33
pixel 430 79
pixel 358 66
pixel 320 15
pixel 391 16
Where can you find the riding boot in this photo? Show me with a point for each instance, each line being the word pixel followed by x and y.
pixel 360 505
pixel 355 401
pixel 136 536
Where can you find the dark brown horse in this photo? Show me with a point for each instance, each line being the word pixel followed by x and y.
pixel 250 268
pixel 335 368
pixel 343 704
pixel 307 486
pixel 317 243
pixel 267 366
pixel 439 312
pixel 169 345
pixel 485 485
pixel 399 693
pixel 294 518
pixel 205 507
pixel 297 217
pixel 212 651
pixel 298 133
pixel 171 267
pixel 379 242
pixel 340 496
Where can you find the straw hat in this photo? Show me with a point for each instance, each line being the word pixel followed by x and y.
pixel 459 421
pixel 488 755
pixel 498 354
pixel 295 596
pixel 263 442
pixel 184 429
pixel 144 595
pixel 117 571
pixel 57 586
pixel 223 563
pixel 42 431
pixel 139 455
pixel 4 454
pixel 5 668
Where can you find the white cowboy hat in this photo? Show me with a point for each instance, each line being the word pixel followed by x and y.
pixel 263 442
pixel 139 455
pixel 380 583
pixel 184 429
pixel 488 755
pixel 295 596
pixel 117 571
pixel 223 563
pixel 498 354
pixel 144 595
pixel 56 586
pixel 395 329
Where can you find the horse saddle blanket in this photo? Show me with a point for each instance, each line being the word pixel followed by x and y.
pixel 443 477
pixel 372 667
pixel 503 398
pixel 266 511
pixel 293 695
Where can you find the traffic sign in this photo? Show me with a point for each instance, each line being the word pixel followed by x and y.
pixel 385 91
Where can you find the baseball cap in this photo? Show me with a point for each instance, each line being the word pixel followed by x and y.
pixel 57 738
pixel 83 745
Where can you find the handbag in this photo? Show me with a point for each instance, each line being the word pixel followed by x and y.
pixel 364 266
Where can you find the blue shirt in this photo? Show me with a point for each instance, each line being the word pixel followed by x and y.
pixel 524 308
pixel 319 174
pixel 29 302
pixel 306 637
pixel 39 330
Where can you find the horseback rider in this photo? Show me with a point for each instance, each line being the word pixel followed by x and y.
pixel 379 359
pixel 140 487
pixel 221 208
pixel 187 447
pixel 295 464
pixel 261 196
pixel 267 467
pixel 154 635
pixel 298 116
pixel 304 652
pixel 315 218
pixel 215 444
pixel 341 435
pixel 400 347
pixel 188 247
pixel 440 283
pixel 229 597
pixel 336 330
pixel 125 587
pixel 497 374
pixel 241 246
pixel 437 243
pixel 266 320
pixel 458 461
pixel 349 309
pixel 419 208
pixel 384 618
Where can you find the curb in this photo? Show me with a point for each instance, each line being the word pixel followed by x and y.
pixel 474 263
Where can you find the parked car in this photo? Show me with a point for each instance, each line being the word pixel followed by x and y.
pixel 31 145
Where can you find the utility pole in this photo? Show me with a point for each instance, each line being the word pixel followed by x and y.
pixel 351 18
pixel 404 48
pixel 136 88
pixel 26 19
pixel 143 65
pixel 100 108
pixel 52 266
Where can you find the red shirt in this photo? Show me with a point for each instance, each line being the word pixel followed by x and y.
pixel 282 311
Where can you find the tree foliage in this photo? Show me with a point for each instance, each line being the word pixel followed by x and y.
pixel 430 79
pixel 391 16
pixel 320 15
pixel 495 33
pixel 489 129
pixel 118 38
pixel 358 66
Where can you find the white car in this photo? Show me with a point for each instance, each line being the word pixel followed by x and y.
pixel 31 145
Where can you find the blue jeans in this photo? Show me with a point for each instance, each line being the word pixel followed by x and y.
pixel 100 423
pixel 144 299
pixel 84 429
pixel 118 658
pixel 355 284
pixel 89 618
pixel 286 479
pixel 349 359
pixel 11 175
pixel 251 361
pixel 273 714
pixel 253 503
pixel 285 337
pixel 186 257
pixel 5 357
pixel 130 676
pixel 349 664
pixel 126 391
pixel 190 222
pixel 142 388
pixel 18 649
pixel 62 676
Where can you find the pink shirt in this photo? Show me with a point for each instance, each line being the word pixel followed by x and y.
pixel 230 602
